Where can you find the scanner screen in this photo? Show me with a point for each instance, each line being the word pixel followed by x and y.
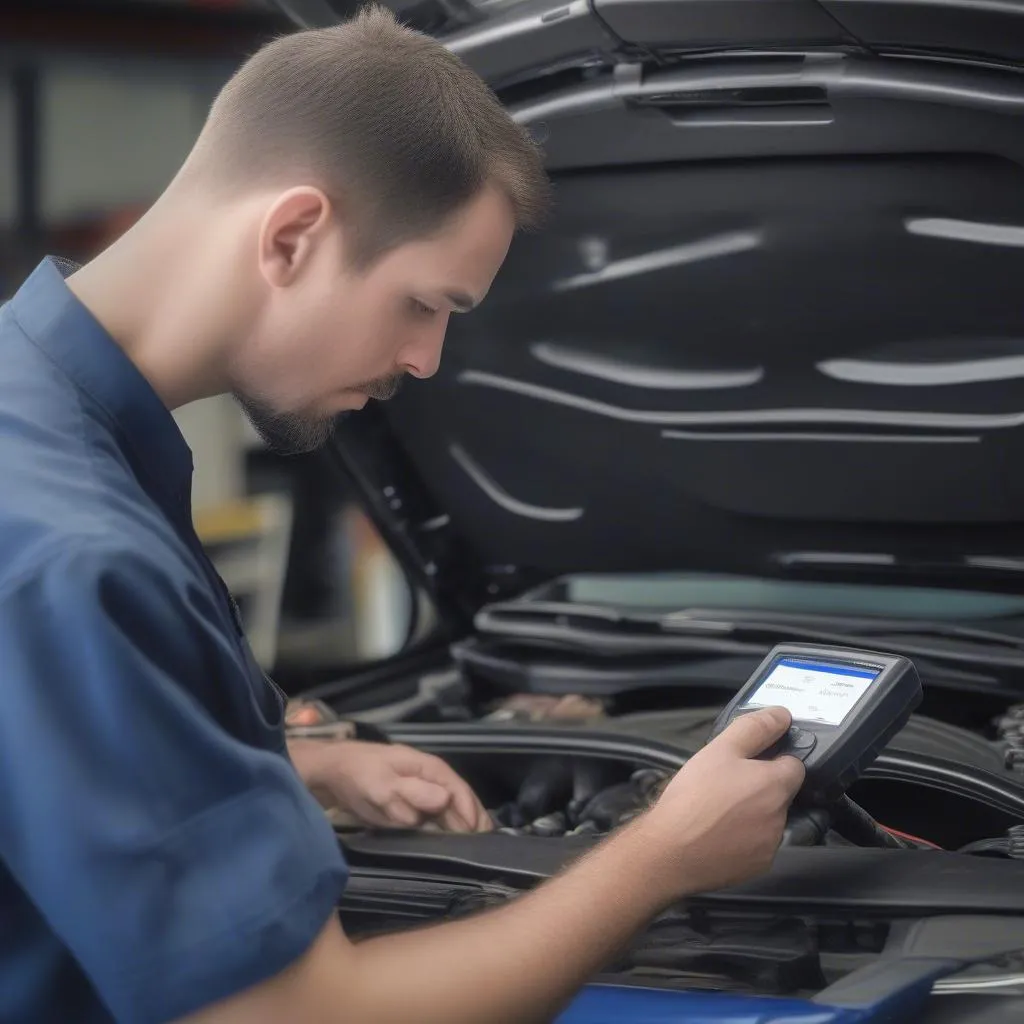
pixel 813 691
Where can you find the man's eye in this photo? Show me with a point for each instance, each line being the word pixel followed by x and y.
pixel 422 308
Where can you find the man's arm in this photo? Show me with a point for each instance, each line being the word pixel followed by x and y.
pixel 176 862
pixel 718 822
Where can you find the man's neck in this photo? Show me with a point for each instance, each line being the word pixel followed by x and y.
pixel 152 290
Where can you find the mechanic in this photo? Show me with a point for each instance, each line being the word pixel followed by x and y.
pixel 163 857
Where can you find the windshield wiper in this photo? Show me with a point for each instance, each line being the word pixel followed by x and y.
pixel 609 630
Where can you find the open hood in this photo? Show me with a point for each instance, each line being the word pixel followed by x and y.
pixel 775 327
pixel 504 39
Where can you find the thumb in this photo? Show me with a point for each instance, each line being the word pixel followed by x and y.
pixel 753 733
pixel 427 797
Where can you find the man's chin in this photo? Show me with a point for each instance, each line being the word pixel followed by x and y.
pixel 287 433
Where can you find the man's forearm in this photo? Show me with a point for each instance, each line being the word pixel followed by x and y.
pixel 521 962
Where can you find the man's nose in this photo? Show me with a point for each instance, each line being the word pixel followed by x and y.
pixel 422 357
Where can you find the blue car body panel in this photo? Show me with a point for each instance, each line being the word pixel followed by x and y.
pixel 611 1004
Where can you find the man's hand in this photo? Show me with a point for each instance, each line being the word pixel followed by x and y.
pixel 720 820
pixel 388 786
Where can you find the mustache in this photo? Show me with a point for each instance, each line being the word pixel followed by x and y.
pixel 382 388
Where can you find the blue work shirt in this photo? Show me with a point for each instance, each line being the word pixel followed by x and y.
pixel 158 851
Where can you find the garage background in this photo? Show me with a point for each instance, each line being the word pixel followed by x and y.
pixel 99 105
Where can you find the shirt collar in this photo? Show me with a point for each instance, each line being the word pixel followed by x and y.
pixel 57 323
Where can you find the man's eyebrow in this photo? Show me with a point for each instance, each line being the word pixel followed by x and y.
pixel 460 302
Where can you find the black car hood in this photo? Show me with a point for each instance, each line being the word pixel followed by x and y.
pixel 775 327
pixel 503 39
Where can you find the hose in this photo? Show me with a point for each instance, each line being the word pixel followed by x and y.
pixel 852 822
pixel 915 841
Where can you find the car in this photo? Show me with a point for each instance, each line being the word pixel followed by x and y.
pixel 760 380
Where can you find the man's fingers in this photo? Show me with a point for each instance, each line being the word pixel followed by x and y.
pixel 455 809
pixel 367 813
pixel 792 772
pixel 464 800
pixel 402 814
pixel 468 806
pixel 754 732
pixel 477 818
pixel 429 798
pixel 452 821
pixel 303 716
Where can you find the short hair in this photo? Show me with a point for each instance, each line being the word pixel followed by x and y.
pixel 393 125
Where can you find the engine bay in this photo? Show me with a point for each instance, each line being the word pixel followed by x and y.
pixel 567 736
pixel 559 771
pixel 822 914
pixel 937 784
pixel 960 800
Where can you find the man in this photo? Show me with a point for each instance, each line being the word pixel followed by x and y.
pixel 160 858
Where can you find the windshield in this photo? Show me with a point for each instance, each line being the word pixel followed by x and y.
pixel 667 592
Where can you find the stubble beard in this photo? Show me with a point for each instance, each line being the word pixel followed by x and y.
pixel 296 433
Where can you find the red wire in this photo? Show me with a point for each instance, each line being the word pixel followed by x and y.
pixel 913 839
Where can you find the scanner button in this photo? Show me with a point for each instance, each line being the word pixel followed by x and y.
pixel 800 742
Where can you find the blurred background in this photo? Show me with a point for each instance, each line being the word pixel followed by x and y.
pixel 99 104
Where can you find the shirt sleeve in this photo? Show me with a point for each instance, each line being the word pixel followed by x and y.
pixel 177 863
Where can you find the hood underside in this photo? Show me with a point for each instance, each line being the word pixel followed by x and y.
pixel 774 326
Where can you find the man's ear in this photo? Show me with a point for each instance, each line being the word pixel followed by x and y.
pixel 292 227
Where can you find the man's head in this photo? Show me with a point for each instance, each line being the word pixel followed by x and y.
pixel 380 182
